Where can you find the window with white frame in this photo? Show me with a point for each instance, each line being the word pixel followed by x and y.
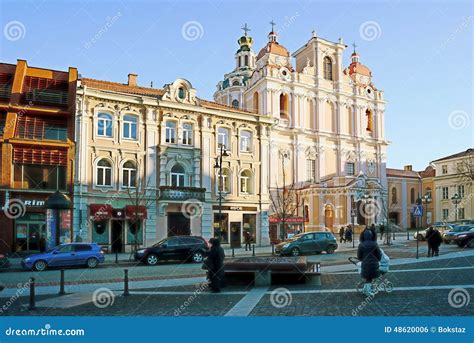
pixel 245 182
pixel 129 127
pixel 461 213
pixel 223 137
pixel 444 169
pixel 350 168
pixel 461 191
pixel 104 125
pixel 445 191
pixel 245 141
pixel 310 170
pixel 104 173
pixel 170 132
pixel 187 134
pixel 224 181
pixel 445 213
pixel 129 175
pixel 177 176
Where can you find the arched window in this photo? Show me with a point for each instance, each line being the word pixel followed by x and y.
pixel 412 195
pixel 104 173
pixel 235 103
pixel 170 132
pixel 255 102
pixel 177 176
pixel 284 114
pixel 394 195
pixel 223 138
pixel 181 93
pixel 370 120
pixel 246 58
pixel 246 182
pixel 235 83
pixel 245 141
pixel 104 125
pixel 187 134
pixel 327 68
pixel 129 127
pixel 129 175
pixel 224 180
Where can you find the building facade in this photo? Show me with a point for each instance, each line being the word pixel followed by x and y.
pixel 328 125
pixel 37 107
pixel 150 154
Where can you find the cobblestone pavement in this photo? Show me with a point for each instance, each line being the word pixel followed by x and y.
pixel 446 288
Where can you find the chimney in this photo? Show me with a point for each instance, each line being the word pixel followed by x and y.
pixel 132 80
pixel 408 167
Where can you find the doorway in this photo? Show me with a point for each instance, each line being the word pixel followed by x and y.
pixel 328 217
pixel 30 236
pixel 178 224
pixel 117 236
pixel 235 235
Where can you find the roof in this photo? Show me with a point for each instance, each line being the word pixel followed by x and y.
pixel 125 88
pixel 467 152
pixel 273 48
pixel 428 172
pixel 391 172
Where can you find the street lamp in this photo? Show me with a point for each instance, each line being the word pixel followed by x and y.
pixel 456 199
pixel 218 165
pixel 426 199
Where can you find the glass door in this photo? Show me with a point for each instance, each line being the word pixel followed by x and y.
pixel 30 236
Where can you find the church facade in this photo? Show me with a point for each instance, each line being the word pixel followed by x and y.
pixel 327 137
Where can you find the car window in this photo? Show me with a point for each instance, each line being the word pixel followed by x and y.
pixel 308 237
pixel 82 247
pixel 329 236
pixel 172 242
pixel 320 236
pixel 190 240
pixel 65 249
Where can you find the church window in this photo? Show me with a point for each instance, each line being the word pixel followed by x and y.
pixel 327 68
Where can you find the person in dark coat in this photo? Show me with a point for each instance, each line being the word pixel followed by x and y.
pixel 382 230
pixel 434 240
pixel 214 264
pixel 248 241
pixel 342 235
pixel 369 228
pixel 369 254
pixel 348 233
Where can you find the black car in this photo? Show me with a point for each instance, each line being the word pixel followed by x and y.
pixel 465 239
pixel 185 248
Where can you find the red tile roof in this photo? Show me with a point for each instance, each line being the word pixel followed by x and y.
pixel 402 173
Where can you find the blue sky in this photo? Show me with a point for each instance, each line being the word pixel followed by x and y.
pixel 420 52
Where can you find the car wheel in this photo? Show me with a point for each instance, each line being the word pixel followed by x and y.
pixel 197 257
pixel 295 252
pixel 40 265
pixel 420 237
pixel 330 250
pixel 152 260
pixel 92 262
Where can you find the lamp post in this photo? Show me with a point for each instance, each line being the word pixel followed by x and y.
pixel 456 199
pixel 426 199
pixel 218 165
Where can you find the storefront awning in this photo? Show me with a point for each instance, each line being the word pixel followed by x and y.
pixel 291 220
pixel 100 211
pixel 132 211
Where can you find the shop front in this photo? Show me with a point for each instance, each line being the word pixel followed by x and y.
pixel 117 229
pixel 233 222
pixel 280 232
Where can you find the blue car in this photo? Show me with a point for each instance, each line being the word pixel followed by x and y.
pixel 66 255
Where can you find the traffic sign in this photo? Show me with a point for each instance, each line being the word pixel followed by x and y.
pixel 418 211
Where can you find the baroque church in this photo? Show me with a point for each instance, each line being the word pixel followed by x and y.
pixel 327 139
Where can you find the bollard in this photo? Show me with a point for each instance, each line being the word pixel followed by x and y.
pixel 32 305
pixel 273 249
pixel 408 235
pixel 116 256
pixel 253 250
pixel 125 284
pixel 318 267
pixel 233 253
pixel 61 284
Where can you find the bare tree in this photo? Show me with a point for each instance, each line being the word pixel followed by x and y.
pixel 465 168
pixel 284 198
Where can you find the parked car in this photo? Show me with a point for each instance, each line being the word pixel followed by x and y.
pixel 465 239
pixel 449 236
pixel 66 255
pixel 307 243
pixel 187 248
pixel 421 234
pixel 4 262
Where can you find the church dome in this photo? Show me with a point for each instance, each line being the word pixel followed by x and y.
pixel 273 47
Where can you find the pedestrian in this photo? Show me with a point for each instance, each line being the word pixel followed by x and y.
pixel 342 235
pixel 349 233
pixel 371 229
pixel 434 239
pixel 370 255
pixel 248 241
pixel 382 229
pixel 214 263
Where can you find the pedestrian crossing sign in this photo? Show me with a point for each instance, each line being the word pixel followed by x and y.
pixel 418 211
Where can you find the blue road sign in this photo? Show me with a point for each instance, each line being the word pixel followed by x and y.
pixel 418 211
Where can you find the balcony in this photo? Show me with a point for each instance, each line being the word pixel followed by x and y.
pixel 171 193
pixel 47 96
pixel 5 91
